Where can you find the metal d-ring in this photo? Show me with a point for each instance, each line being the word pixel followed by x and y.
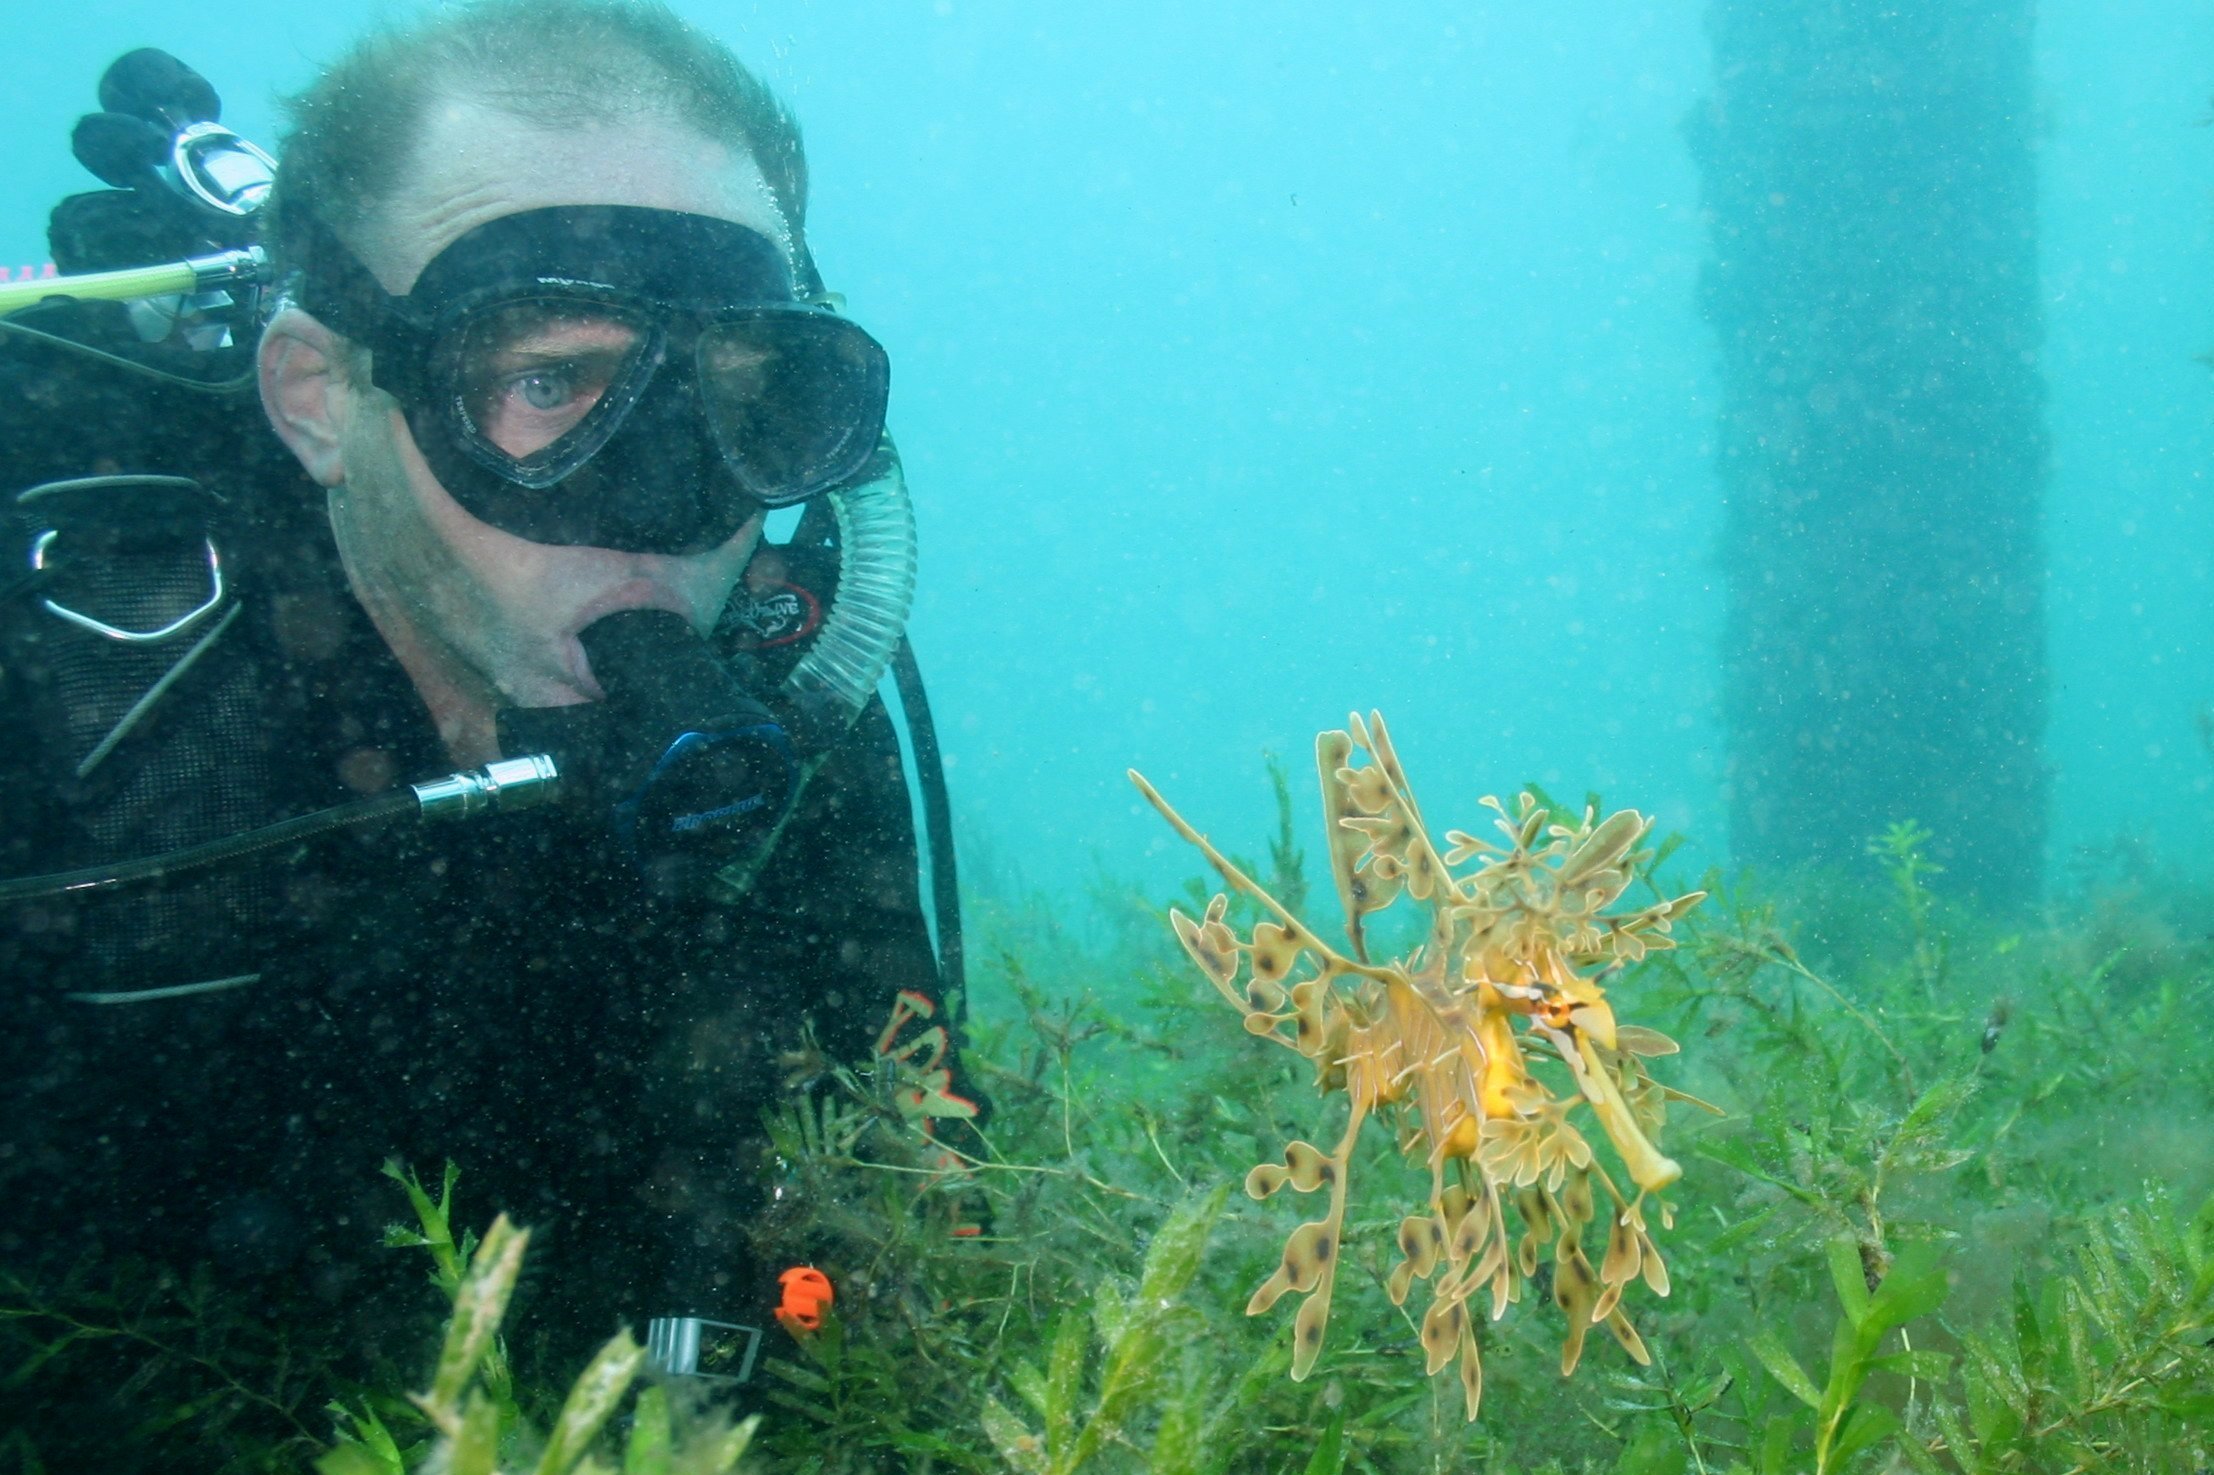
pixel 44 540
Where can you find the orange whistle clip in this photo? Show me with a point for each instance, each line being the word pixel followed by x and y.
pixel 806 1293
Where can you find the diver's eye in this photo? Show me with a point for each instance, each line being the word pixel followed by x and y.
pixel 524 411
pixel 545 391
pixel 530 372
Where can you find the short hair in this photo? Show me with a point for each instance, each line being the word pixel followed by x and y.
pixel 557 62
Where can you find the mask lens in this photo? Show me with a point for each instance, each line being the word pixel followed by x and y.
pixel 796 399
pixel 531 375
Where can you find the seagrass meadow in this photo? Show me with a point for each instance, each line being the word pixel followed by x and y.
pixel 1953 1209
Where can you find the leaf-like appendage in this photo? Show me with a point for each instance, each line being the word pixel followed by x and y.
pixel 1602 849
pixel 1530 825
pixel 1506 1289
pixel 1274 952
pixel 1460 845
pixel 1205 944
pixel 1574 1199
pixel 1423 875
pixel 1270 1292
pixel 1310 1167
pixel 1265 1025
pixel 1472 1372
pixel 1308 1253
pixel 1469 1234
pixel 1638 1040
pixel 1651 1266
pixel 1309 999
pixel 1389 835
pixel 1575 1291
pixel 1627 1335
pixel 1495 1271
pixel 1307 1330
pixel 1370 892
pixel 1596 1020
pixel 1524 1150
pixel 1538 1229
pixel 1421 1242
pixel 1366 789
pixel 1265 995
pixel 1442 1326
pixel 1620 1264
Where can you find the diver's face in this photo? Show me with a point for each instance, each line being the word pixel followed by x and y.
pixel 480 617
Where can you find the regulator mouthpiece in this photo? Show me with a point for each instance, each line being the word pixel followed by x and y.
pixel 688 771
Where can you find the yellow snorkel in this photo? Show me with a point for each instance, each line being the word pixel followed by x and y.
pixel 223 270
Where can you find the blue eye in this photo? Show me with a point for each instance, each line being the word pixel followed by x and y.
pixel 529 375
pixel 545 391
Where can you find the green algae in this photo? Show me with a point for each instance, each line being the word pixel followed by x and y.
pixel 1950 1222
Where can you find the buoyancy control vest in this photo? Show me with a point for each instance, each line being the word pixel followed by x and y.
pixel 153 513
pixel 162 543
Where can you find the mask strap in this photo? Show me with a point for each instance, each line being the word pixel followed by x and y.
pixel 332 285
pixel 807 282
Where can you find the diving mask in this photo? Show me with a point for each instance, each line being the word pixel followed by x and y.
pixel 614 377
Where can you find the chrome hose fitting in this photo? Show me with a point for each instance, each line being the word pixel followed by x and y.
pixel 508 784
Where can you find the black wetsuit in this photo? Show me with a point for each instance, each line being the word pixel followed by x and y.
pixel 503 993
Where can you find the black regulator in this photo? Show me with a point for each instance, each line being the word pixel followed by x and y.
pixel 688 771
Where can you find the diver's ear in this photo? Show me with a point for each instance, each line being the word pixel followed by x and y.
pixel 306 391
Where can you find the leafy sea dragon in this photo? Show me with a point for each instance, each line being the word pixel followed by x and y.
pixel 1443 1042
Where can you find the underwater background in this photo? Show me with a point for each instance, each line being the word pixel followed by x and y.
pixel 1258 362
pixel 1254 362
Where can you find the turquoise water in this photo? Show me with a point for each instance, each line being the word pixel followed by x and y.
pixel 1257 361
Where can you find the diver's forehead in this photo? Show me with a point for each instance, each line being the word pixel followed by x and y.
pixel 475 163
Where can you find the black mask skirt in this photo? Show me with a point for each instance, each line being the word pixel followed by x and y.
pixel 614 377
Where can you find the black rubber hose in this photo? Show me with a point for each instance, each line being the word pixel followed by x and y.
pixel 395 805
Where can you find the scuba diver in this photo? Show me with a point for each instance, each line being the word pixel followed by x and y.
pixel 462 771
